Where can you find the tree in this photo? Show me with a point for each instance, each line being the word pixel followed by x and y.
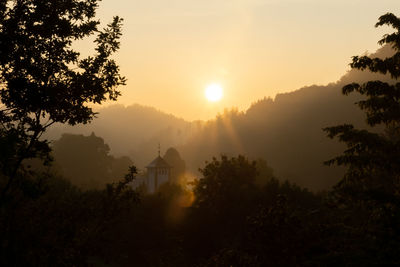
pixel 373 158
pixel 86 162
pixel 173 158
pixel 226 183
pixel 247 223
pixel 369 193
pixel 43 80
pixel 264 172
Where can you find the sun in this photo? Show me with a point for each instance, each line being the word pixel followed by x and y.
pixel 213 92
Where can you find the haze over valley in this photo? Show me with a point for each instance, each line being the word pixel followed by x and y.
pixel 242 133
pixel 285 131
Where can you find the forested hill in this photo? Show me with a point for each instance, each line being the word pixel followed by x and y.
pixel 286 131
pixel 127 128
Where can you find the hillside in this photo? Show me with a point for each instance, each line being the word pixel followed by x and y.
pixel 286 131
pixel 132 130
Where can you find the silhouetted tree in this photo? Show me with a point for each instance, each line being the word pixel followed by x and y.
pixel 225 183
pixel 43 80
pixel 61 225
pixel 86 161
pixel 174 159
pixel 119 166
pixel 264 172
pixel 236 221
pixel 373 158
pixel 370 189
pixel 274 236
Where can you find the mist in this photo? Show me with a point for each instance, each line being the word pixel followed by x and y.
pixel 285 131
pixel 308 177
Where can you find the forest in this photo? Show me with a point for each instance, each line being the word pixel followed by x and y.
pixel 309 178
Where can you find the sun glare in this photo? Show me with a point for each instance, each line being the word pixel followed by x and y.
pixel 213 92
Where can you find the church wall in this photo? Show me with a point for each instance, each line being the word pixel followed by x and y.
pixel 157 177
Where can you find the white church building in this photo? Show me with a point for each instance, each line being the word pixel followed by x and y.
pixel 158 173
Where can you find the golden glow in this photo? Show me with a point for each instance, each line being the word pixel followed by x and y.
pixel 214 92
pixel 169 51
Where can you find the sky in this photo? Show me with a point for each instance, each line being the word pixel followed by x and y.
pixel 171 50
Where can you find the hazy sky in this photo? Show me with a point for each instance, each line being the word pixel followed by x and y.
pixel 172 49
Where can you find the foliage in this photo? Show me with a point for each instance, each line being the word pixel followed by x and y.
pixel 61 225
pixel 241 214
pixel 225 182
pixel 369 193
pixel 86 161
pixel 43 80
pixel 247 224
pixel 374 157
pixel 264 172
pixel 173 158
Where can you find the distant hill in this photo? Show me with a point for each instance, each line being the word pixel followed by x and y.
pixel 286 131
pixel 132 130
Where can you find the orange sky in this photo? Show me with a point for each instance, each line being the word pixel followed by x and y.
pixel 172 49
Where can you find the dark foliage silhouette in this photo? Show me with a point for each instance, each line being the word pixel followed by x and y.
pixel 86 161
pixel 286 131
pixel 370 187
pixel 43 79
pixel 173 158
pixel 374 155
pixel 55 223
pixel 237 213
pixel 227 223
pixel 136 133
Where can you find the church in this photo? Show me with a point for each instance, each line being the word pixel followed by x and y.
pixel 158 173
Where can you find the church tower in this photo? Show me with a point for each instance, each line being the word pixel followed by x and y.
pixel 158 173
